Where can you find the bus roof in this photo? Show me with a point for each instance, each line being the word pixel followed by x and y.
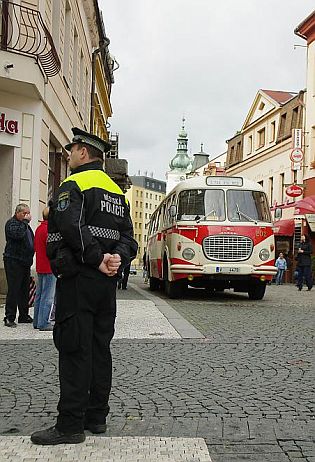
pixel 221 182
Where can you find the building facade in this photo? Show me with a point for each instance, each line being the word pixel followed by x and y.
pixel 144 196
pixel 55 73
pixel 261 150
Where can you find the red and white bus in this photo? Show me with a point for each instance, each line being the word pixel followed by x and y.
pixel 213 232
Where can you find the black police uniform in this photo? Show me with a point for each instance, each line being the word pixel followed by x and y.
pixel 90 217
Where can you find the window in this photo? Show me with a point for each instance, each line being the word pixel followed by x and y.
pixel 283 119
pixel 146 195
pixel 140 214
pixel 55 25
pixel 146 215
pixel 66 48
pixel 150 196
pixel 156 197
pixel 137 193
pixel 203 204
pixel 136 214
pixel 250 144
pixel 137 203
pixel 141 194
pixel 81 83
pixel 247 206
pixel 282 188
pixel 150 206
pixel 271 189
pixel 261 106
pixel 232 154
pixel 295 117
pixel 75 65
pixel 272 131
pixel 261 137
pixel 57 170
pixel 146 205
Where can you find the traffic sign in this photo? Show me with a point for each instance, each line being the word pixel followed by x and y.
pixel 296 155
pixel 294 190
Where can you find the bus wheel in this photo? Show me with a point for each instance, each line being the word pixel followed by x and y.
pixel 257 291
pixel 175 289
pixel 154 284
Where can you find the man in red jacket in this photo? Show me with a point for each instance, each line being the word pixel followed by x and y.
pixel 46 283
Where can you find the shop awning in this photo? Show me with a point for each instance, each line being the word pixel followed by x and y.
pixel 306 205
pixel 284 227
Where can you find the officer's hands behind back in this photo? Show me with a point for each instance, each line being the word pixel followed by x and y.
pixel 110 264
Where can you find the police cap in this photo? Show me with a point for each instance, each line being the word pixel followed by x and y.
pixel 80 136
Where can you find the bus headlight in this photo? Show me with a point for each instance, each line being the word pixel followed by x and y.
pixel 264 254
pixel 188 254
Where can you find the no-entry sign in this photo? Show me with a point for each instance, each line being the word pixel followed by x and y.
pixel 296 155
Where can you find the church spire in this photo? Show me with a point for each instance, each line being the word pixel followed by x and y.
pixel 181 161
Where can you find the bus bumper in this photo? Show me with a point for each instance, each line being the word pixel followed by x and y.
pixel 224 269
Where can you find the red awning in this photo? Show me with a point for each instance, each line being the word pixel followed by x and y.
pixel 306 205
pixel 284 227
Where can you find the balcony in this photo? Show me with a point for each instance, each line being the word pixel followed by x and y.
pixel 22 31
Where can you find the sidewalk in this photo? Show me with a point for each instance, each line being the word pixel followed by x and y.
pixel 140 317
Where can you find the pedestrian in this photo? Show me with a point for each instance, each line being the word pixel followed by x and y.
pixel 123 280
pixel 282 266
pixel 90 237
pixel 144 266
pixel 304 263
pixel 18 259
pixel 46 280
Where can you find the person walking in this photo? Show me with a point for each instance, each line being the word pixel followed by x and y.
pixel 304 263
pixel 46 280
pixel 90 239
pixel 123 281
pixel 18 259
pixel 282 266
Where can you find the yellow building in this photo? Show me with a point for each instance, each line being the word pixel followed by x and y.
pixel 56 74
pixel 145 194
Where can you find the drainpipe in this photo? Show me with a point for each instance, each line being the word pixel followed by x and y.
pixel 95 52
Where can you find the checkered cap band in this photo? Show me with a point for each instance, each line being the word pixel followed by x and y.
pixel 54 237
pixel 91 141
pixel 105 233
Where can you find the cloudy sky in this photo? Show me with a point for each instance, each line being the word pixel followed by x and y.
pixel 205 59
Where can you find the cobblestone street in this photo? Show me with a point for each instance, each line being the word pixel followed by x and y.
pixel 223 370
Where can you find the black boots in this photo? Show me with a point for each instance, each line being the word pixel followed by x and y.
pixel 52 436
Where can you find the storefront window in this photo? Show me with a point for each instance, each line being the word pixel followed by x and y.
pixel 57 170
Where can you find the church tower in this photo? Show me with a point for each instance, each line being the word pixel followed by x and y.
pixel 181 163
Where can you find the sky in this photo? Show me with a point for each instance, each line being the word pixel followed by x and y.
pixel 204 59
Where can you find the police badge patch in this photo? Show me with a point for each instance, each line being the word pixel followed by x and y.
pixel 63 201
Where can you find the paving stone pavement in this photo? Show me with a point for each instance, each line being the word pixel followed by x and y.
pixel 246 388
pixel 131 449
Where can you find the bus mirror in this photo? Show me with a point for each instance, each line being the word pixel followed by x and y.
pixel 278 214
pixel 172 211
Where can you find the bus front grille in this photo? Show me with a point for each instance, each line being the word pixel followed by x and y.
pixel 227 248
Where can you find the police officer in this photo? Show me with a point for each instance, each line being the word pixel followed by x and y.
pixel 90 240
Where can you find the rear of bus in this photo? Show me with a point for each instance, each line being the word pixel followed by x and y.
pixel 220 238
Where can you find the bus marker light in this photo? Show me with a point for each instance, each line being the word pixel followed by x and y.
pixel 262 278
pixel 190 277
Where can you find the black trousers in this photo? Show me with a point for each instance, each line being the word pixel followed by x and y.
pixel 305 274
pixel 84 326
pixel 124 279
pixel 18 279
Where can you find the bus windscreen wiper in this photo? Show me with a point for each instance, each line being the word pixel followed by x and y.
pixel 198 218
pixel 242 214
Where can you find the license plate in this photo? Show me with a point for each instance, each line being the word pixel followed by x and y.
pixel 231 269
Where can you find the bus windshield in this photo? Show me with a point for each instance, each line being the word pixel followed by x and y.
pixel 201 204
pixel 247 206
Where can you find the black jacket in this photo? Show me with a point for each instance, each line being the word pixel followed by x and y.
pixel 304 259
pixel 20 241
pixel 89 217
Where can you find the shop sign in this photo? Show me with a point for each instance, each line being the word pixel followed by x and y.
pixel 10 127
pixel 310 217
pixel 294 190
pixel 297 135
